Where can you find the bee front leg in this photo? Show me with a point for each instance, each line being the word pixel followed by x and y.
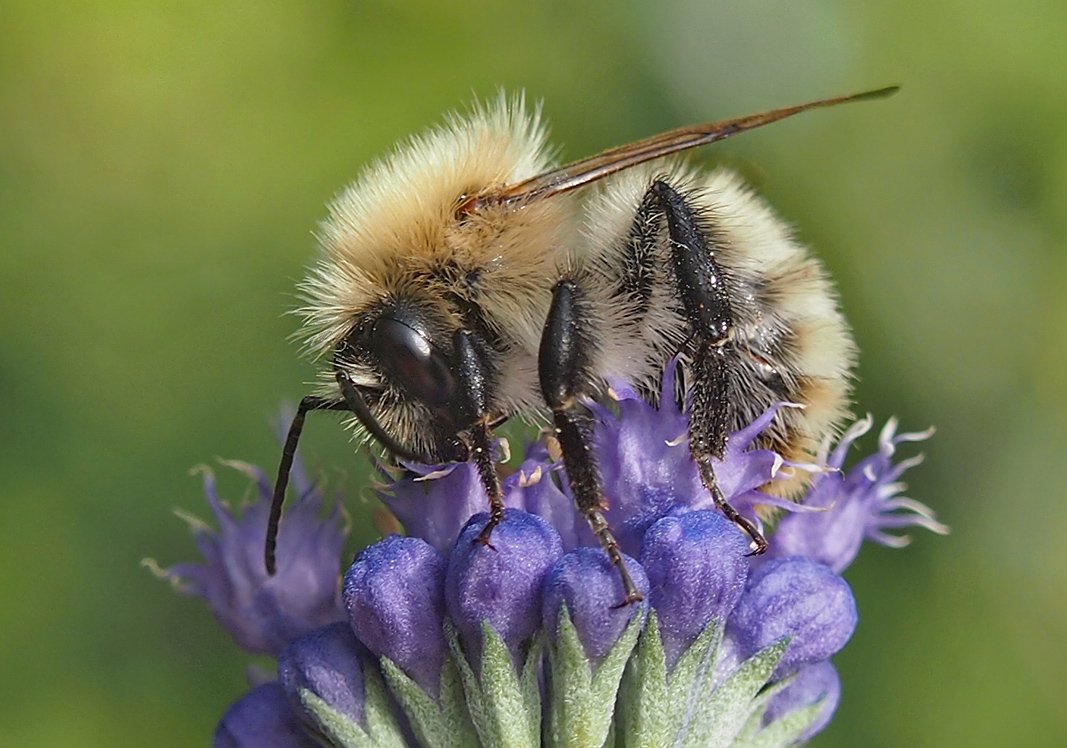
pixel 704 293
pixel 566 377
pixel 473 378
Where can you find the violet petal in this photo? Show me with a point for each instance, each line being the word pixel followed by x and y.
pixel 533 488
pixel 646 465
pixel 264 613
pixel 433 504
pixel 859 504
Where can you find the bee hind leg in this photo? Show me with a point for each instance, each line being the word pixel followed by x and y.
pixel 704 292
pixel 564 366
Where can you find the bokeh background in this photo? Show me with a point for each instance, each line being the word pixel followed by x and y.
pixel 163 164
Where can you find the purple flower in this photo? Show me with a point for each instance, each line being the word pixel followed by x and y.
pixel 261 719
pixel 643 453
pixel 818 681
pixel 796 598
pixel 394 593
pixel 433 502
pixel 696 566
pixel 587 582
pixel 535 488
pixel 863 503
pixel 326 662
pixel 264 613
pixel 500 585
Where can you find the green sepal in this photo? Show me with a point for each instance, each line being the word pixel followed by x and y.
pixel 754 724
pixel 654 703
pixel 644 695
pixel 784 731
pixel 437 723
pixel 505 706
pixel 725 712
pixel 382 730
pixel 583 701
pixel 692 683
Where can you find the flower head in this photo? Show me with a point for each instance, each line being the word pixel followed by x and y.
pixel 433 502
pixel 502 643
pixel 643 454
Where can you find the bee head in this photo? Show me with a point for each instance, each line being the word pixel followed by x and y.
pixel 420 380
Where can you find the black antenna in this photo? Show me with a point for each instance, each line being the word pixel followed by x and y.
pixel 307 405
pixel 353 402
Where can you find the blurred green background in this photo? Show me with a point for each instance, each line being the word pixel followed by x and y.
pixel 163 164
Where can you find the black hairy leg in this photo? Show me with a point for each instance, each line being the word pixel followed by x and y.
pixel 640 260
pixel 566 377
pixel 472 407
pixel 703 291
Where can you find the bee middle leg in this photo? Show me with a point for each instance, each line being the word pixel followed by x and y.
pixel 703 289
pixel 564 367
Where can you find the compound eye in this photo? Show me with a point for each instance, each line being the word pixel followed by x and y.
pixel 413 361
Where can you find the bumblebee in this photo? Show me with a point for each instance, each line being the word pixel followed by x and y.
pixel 465 280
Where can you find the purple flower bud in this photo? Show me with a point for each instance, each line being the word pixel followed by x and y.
pixel 696 569
pixel 588 583
pixel 261 719
pixel 798 598
pixel 812 683
pixel 264 613
pixel 502 584
pixel 393 593
pixel 327 663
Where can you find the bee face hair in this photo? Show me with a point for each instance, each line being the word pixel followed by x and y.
pixel 465 279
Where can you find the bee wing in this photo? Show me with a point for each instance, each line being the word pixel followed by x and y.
pixel 583 172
